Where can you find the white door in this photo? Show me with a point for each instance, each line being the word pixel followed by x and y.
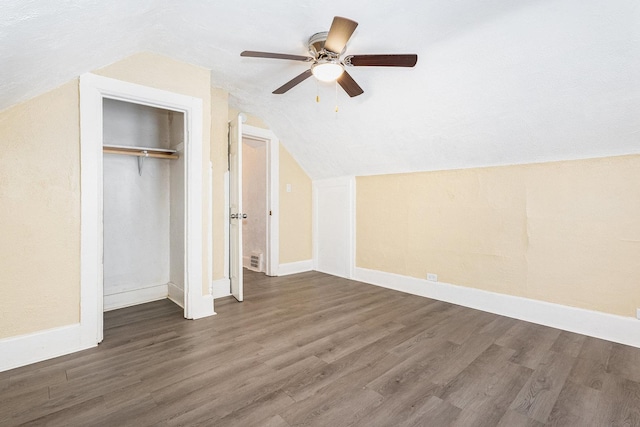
pixel 333 226
pixel 235 206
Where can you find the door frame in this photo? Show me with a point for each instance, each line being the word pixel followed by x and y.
pixel 93 89
pixel 272 257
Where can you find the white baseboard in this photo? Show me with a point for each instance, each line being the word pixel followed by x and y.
pixel 38 346
pixel 176 294
pixel 135 297
pixel 220 288
pixel 610 327
pixel 295 267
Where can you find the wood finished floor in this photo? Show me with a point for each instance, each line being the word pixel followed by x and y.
pixel 312 349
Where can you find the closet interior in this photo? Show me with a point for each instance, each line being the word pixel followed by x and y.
pixel 143 204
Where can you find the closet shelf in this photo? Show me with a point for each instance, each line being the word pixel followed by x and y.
pixel 158 153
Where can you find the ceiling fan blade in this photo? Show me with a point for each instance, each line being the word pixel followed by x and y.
pixel 339 34
pixel 293 82
pixel 349 85
pixel 408 60
pixel 255 54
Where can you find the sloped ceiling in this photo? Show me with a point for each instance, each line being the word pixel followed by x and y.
pixel 497 81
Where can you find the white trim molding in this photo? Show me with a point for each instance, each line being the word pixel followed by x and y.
pixel 610 327
pixel 295 267
pixel 176 294
pixel 42 345
pixel 221 288
pixel 135 297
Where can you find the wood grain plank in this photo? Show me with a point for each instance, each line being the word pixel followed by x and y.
pixel 312 349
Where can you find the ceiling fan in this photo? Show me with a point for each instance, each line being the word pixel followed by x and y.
pixel 325 49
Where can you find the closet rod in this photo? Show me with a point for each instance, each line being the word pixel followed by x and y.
pixel 139 153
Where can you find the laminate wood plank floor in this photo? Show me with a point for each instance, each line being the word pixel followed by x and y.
pixel 316 350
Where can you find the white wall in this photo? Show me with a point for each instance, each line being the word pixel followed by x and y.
pixel 254 199
pixel 137 245
pixel 333 226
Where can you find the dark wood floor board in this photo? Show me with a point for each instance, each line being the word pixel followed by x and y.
pixel 624 362
pixel 619 404
pixel 418 367
pixel 588 372
pixel 274 421
pixel 237 375
pixel 462 357
pixel 338 410
pixel 487 386
pixel 432 312
pixel 538 396
pixel 254 394
pixel 531 342
pixel 312 349
pixel 434 412
pixel 469 326
pixel 597 350
pixel 569 344
pixel 498 327
pixel 14 406
pixel 406 406
pixel 574 406
pixel 79 414
pixel 337 377
pixel 23 384
pixel 259 413
pixel 516 419
pixel 390 312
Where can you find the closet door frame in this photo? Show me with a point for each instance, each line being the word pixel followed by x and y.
pixel 93 89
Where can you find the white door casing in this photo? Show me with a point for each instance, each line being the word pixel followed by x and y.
pixel 235 206
pixel 93 89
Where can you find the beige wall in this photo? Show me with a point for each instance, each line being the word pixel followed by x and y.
pixel 40 213
pixel 40 191
pixel 295 211
pixel 565 232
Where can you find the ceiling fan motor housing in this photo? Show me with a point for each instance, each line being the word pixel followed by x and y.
pixel 316 47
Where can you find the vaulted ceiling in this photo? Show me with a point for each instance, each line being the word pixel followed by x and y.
pixel 497 81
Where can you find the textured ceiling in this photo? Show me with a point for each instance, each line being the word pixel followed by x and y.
pixel 497 81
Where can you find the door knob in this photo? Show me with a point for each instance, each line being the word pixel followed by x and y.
pixel 234 216
pixel 243 216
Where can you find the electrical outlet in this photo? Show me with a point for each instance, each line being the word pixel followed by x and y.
pixel 432 277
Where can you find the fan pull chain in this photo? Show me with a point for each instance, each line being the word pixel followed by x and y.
pixel 336 96
pixel 317 92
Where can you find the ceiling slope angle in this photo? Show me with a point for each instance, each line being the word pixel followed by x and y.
pixel 498 82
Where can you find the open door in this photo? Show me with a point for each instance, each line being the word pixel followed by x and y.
pixel 235 206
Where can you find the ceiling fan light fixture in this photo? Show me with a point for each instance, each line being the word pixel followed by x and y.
pixel 327 71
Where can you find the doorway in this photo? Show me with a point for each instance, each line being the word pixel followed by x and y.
pixel 143 204
pixel 93 91
pixel 238 132
pixel 254 204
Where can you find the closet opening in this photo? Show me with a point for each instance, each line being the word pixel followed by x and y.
pixel 98 93
pixel 143 204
